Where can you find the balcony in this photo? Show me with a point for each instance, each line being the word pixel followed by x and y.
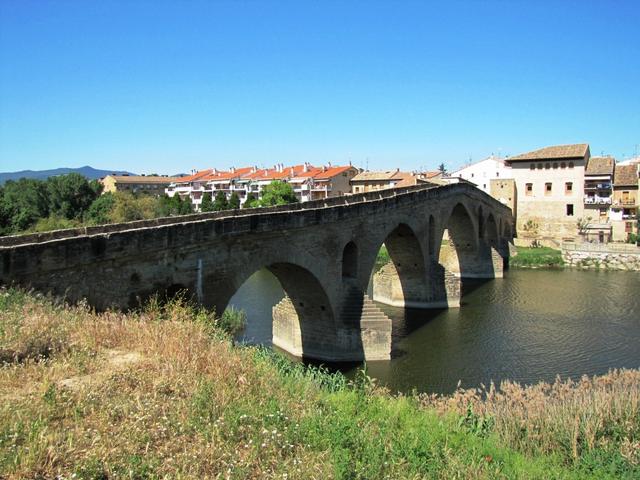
pixel 596 200
pixel 597 186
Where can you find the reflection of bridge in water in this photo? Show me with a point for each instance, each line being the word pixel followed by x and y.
pixel 321 252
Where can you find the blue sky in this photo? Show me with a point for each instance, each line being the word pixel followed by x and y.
pixel 170 86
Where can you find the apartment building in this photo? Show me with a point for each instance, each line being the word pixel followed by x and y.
pixel 148 184
pixel 308 182
pixel 549 184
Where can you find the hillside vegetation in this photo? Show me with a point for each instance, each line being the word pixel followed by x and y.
pixel 163 393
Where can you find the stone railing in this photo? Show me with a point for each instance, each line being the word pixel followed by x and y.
pixel 347 200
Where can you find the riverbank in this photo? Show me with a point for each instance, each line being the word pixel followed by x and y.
pixel 540 257
pixel 163 393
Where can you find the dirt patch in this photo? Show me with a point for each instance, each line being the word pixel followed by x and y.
pixel 115 360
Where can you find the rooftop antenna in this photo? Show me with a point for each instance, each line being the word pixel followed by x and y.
pixel 367 164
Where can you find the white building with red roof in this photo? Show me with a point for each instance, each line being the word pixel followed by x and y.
pixel 308 182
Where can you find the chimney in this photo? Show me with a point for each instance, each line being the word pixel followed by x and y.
pixel 306 167
pixel 233 169
pixel 291 170
pixel 324 168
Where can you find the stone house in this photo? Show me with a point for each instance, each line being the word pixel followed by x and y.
pixel 549 184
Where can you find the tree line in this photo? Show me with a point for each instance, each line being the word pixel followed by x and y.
pixel 68 201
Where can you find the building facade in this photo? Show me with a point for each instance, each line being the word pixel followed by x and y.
pixel 308 182
pixel 481 173
pixel 549 184
pixel 148 184
pixel 624 208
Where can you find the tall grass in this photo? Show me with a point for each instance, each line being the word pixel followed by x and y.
pixel 186 403
pixel 536 257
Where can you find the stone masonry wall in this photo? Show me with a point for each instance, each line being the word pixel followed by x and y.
pixel 602 260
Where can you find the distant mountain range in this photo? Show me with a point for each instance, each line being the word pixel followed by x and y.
pixel 89 172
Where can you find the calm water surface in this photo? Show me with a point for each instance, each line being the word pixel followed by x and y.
pixel 530 326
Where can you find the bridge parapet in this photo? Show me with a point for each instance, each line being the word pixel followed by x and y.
pixel 344 201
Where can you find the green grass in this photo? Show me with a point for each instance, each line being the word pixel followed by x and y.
pixel 193 406
pixel 536 257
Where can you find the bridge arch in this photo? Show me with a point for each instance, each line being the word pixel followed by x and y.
pixel 303 319
pixel 402 281
pixel 459 247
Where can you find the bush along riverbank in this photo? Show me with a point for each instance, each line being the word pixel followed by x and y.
pixel 536 257
pixel 163 393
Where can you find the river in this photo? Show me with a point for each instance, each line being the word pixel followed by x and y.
pixel 529 326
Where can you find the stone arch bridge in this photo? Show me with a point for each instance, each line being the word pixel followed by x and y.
pixel 322 252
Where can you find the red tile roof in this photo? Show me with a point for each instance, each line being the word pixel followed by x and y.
pixel 331 172
pixel 578 150
pixel 195 176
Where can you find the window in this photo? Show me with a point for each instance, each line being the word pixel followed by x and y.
pixel 547 188
pixel 555 165
pixel 532 166
pixel 539 166
pixel 563 165
pixel 529 189
pixel 570 164
pixel 547 166
pixel 472 175
pixel 568 188
pixel 628 227
pixel 569 209
pixel 497 174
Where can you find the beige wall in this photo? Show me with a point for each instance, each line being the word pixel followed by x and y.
pixel 504 190
pixel 340 184
pixel 549 209
pixel 109 184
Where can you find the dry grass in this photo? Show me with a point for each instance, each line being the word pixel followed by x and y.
pixel 162 393
pixel 570 418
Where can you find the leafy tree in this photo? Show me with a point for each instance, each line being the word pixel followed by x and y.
pixel 128 207
pixel 234 201
pixel 70 195
pixel 23 202
pixel 277 193
pixel 251 201
pixel 442 169
pixel 100 211
pixel 207 203
pixel 54 222
pixel 169 206
pixel 220 202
